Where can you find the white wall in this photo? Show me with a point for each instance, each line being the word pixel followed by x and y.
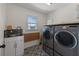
pixel 17 16
pixel 2 25
pixel 2 16
pixel 67 14
pixel 50 18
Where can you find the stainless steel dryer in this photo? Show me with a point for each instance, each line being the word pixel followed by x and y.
pixel 48 39
pixel 66 40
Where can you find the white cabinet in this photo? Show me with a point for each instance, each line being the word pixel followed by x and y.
pixel 19 46
pixel 14 46
pixel 10 46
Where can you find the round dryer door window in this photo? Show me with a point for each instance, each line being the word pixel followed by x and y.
pixel 66 39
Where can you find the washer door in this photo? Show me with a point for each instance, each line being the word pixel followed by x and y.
pixel 46 34
pixel 66 39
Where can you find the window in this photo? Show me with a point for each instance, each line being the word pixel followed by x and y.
pixel 32 23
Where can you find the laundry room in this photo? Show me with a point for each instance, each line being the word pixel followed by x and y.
pixel 39 29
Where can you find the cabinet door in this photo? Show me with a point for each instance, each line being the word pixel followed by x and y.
pixel 10 46
pixel 19 45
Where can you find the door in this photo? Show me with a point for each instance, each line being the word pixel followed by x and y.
pixel 19 45
pixel 46 36
pixel 10 46
pixel 66 39
pixel 65 43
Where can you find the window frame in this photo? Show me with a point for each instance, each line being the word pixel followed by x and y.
pixel 32 23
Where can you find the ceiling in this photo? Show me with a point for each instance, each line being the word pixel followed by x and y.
pixel 43 7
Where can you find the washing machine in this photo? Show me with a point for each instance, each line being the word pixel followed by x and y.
pixel 48 39
pixel 66 40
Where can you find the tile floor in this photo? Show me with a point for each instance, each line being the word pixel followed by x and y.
pixel 35 51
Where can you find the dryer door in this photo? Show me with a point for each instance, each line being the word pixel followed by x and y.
pixel 66 39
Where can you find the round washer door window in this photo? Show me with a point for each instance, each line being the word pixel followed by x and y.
pixel 66 39
pixel 46 34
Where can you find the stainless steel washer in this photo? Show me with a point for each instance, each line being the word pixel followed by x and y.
pixel 48 39
pixel 66 40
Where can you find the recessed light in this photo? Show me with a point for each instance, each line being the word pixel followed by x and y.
pixel 49 3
